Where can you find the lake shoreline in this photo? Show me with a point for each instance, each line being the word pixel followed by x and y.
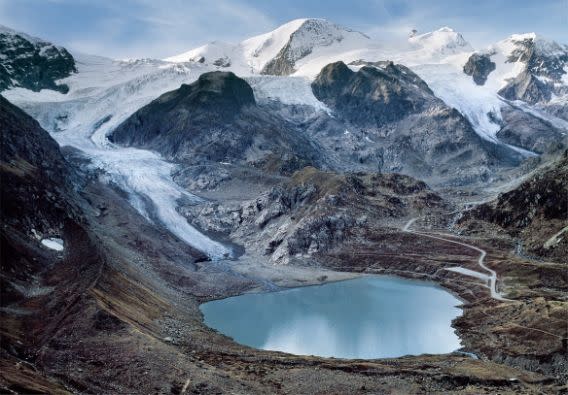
pixel 348 319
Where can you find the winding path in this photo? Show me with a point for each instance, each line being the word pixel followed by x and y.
pixel 480 261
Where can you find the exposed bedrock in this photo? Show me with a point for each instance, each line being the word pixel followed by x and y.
pixel 394 120
pixel 479 66
pixel 217 119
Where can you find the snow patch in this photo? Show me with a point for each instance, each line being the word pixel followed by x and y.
pixel 287 90
pixel 468 272
pixel 53 243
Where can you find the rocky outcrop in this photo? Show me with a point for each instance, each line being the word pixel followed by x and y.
pixel 536 212
pixel 479 66
pixel 221 62
pixel 527 87
pixel 309 36
pixel 314 212
pixel 387 117
pixel 216 119
pixel 32 63
pixel 541 78
pixel 557 108
pixel 522 129
pixel 381 94
pixel 283 63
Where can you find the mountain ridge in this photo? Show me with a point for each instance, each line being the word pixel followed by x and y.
pixel 32 63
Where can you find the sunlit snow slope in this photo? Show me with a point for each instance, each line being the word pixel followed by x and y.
pixel 438 57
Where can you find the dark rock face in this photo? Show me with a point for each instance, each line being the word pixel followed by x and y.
pixel 33 170
pixel 535 211
pixel 37 200
pixel 479 66
pixel 524 130
pixel 541 61
pixel 559 110
pixel 380 95
pixel 389 118
pixel 545 63
pixel 216 119
pixel 283 63
pixel 32 64
pixel 311 34
pixel 528 88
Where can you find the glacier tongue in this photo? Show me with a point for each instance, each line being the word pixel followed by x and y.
pixel 82 118
pixel 144 174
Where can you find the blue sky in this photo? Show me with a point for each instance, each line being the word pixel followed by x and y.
pixel 159 28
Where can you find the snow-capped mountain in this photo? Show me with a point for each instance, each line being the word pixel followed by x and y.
pixel 528 53
pixel 32 63
pixel 442 58
pixel 526 68
pixel 440 43
pixel 278 51
pixel 543 76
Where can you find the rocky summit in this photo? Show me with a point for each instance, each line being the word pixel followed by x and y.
pixel 216 119
pixel 135 191
pixel 32 63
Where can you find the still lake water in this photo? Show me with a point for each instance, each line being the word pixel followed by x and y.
pixel 368 317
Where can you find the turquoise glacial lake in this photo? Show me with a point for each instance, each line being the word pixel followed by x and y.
pixel 367 317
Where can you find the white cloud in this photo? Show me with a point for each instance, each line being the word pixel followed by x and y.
pixel 144 28
pixel 181 25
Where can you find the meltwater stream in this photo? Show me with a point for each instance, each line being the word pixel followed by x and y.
pixel 368 317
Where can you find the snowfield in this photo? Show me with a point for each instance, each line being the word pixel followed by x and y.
pixel 287 90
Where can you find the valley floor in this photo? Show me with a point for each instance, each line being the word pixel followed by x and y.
pixel 136 326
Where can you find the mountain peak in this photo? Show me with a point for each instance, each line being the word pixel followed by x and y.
pixel 277 52
pixel 532 38
pixel 523 46
pixel 32 63
pixel 444 41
